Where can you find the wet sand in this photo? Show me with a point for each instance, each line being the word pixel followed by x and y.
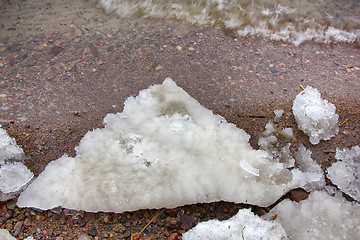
pixel 65 65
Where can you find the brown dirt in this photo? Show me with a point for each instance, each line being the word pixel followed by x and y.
pixel 65 64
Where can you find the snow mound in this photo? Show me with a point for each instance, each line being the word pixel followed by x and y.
pixel 318 217
pixel 244 225
pixel 315 116
pixel 14 175
pixel 163 150
pixel 345 173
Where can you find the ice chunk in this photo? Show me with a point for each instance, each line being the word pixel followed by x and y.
pixel 345 173
pixel 244 225
pixel 315 116
pixel 8 148
pixel 318 217
pixel 5 235
pixel 163 150
pixel 14 175
pixel 276 141
pixel 315 175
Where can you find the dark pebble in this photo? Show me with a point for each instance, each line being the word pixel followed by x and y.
pixel 126 234
pixel 92 232
pixel 273 70
pixel 56 50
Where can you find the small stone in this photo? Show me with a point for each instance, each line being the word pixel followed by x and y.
pixel 273 70
pixel 191 49
pixel 27 222
pixel 179 48
pixel 93 70
pixel 173 236
pixel 158 68
pixel 83 236
pixel 126 234
pixel 92 232
pixel 2 65
pixel 11 204
pixel 17 228
pixel 56 50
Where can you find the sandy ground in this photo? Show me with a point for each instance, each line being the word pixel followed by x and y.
pixel 65 64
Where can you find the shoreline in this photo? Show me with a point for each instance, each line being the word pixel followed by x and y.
pixel 57 84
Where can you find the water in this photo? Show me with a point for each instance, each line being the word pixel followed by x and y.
pixel 294 21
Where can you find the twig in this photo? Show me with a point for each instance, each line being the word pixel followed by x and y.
pixel 131 231
pixel 343 122
pixel 155 216
pixel 302 87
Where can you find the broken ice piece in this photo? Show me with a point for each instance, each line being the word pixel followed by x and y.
pixel 315 175
pixel 5 235
pixel 244 225
pixel 8 148
pixel 164 150
pixel 14 175
pixel 320 216
pixel 345 173
pixel 315 116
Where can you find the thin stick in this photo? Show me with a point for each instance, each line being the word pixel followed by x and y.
pixel 155 216
pixel 343 122
pixel 131 231
pixel 302 87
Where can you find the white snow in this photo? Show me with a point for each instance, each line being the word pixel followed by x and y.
pixel 5 235
pixel 8 148
pixel 345 173
pixel 315 175
pixel 318 217
pixel 163 150
pixel 315 116
pixel 244 225
pixel 276 140
pixel 14 175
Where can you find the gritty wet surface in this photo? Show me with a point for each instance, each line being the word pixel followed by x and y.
pixel 58 80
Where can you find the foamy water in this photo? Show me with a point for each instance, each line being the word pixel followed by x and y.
pixel 294 21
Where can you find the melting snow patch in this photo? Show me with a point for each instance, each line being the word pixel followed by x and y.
pixel 244 225
pixel 345 173
pixel 163 150
pixel 315 116
pixel 318 217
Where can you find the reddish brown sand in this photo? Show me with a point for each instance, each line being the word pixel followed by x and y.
pixel 65 64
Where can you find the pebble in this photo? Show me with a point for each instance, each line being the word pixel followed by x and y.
pixel 191 49
pixel 11 204
pixel 179 48
pixel 83 236
pixel 17 228
pixel 273 70
pixel 173 236
pixel 92 232
pixel 2 65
